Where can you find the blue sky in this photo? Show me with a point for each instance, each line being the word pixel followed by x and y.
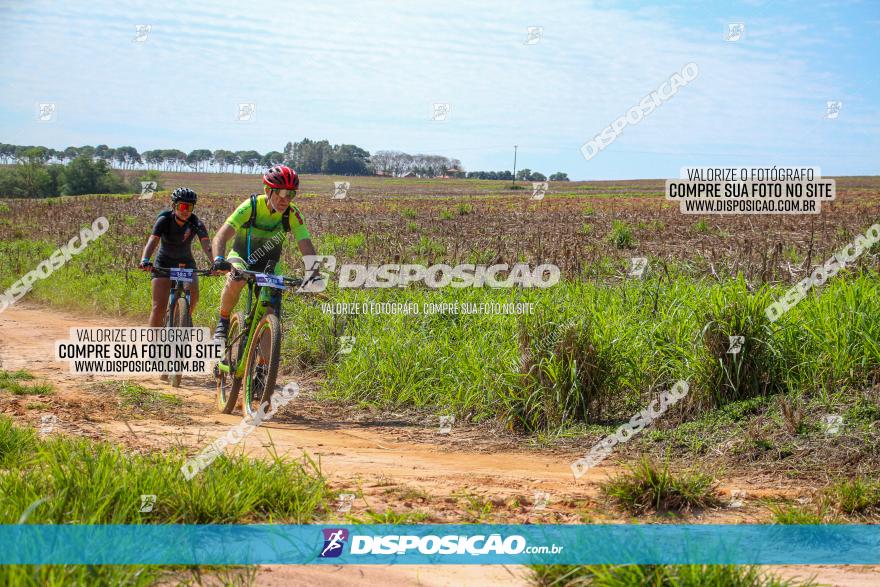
pixel 367 73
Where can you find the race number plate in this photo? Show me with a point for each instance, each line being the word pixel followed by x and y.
pixel 274 281
pixel 184 275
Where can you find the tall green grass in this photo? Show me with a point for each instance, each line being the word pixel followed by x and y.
pixel 650 486
pixel 621 235
pixel 11 381
pixel 593 354
pixel 334 244
pixel 659 576
pixel 590 353
pixel 857 496
pixel 77 481
pixel 731 372
pixel 567 372
pixel 846 500
pixel 84 575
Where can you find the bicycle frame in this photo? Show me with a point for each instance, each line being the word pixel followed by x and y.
pixel 179 288
pixel 254 312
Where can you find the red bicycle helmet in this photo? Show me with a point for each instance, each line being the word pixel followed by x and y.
pixel 281 177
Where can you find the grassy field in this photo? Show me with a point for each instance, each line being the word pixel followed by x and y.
pixel 598 347
pixel 589 357
pixel 636 336
pixel 589 229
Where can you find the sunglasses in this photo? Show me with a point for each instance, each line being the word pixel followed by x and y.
pixel 285 194
pixel 184 206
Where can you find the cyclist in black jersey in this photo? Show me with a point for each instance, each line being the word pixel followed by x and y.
pixel 174 232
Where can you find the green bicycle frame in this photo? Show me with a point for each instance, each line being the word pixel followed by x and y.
pixel 254 312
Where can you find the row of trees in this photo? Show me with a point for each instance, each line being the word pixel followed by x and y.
pixel 220 160
pixel 34 177
pixel 522 174
pixel 122 157
pixel 399 163
pixel 306 156
pixel 158 159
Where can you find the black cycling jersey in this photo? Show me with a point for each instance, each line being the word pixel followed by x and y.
pixel 176 240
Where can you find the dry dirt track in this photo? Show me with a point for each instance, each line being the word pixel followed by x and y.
pixel 406 466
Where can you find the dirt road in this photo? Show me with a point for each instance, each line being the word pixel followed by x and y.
pixel 390 461
pixel 367 454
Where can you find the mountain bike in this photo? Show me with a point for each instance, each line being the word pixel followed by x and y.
pixel 253 344
pixel 178 312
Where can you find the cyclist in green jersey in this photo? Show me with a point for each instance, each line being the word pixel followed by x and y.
pixel 257 229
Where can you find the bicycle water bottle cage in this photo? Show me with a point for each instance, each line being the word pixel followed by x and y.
pixel 274 298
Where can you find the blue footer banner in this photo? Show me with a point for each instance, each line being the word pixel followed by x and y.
pixel 439 544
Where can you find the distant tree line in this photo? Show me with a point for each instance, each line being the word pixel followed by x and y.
pixel 41 171
pixel 398 163
pixel 522 174
pixel 34 177
pixel 158 159
pixel 309 156
pixel 306 156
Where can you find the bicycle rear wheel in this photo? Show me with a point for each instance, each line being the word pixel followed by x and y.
pixel 180 318
pixel 262 365
pixel 228 385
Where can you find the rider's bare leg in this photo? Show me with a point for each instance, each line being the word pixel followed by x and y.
pixel 229 296
pixel 161 287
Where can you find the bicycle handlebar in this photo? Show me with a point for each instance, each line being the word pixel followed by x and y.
pixel 167 270
pixel 252 276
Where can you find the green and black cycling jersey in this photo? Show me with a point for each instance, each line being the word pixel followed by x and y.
pixel 259 233
pixel 175 245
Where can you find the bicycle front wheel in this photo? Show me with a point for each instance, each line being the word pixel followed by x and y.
pixel 262 365
pixel 181 319
pixel 228 385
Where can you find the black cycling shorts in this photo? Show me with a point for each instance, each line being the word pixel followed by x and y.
pixel 171 263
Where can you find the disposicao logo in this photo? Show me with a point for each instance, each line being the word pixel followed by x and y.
pixel 334 541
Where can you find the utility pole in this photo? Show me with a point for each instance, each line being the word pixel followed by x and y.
pixel 514 164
